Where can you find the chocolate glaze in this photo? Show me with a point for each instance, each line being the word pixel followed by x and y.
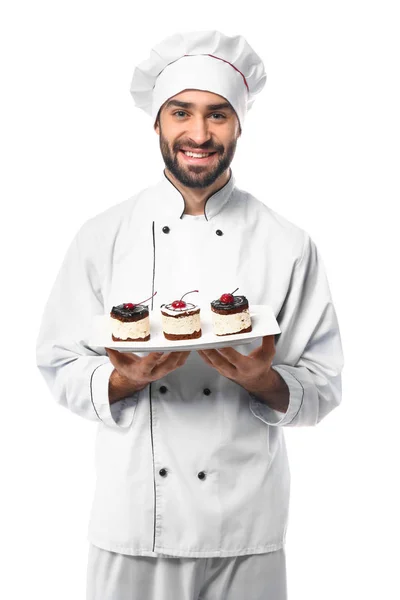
pixel 239 302
pixel 138 312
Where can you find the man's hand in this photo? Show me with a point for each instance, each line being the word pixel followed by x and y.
pixel 251 372
pixel 133 373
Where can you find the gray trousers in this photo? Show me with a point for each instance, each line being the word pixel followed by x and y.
pixel 113 576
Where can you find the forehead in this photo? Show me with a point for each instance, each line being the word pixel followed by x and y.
pixel 199 98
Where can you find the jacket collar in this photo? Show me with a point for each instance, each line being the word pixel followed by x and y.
pixel 172 204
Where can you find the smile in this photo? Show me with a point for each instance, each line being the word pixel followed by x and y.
pixel 196 157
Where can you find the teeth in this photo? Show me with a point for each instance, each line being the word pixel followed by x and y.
pixel 196 155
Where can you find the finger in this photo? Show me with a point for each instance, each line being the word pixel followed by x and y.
pixel 114 357
pixel 233 356
pixel 122 361
pixel 154 367
pixel 174 354
pixel 150 362
pixel 218 358
pixel 161 360
pixel 173 361
pixel 152 359
pixel 268 344
pixel 220 363
pixel 266 350
pixel 155 355
pixel 181 359
pixel 122 357
pixel 114 351
pixel 110 351
pixel 204 357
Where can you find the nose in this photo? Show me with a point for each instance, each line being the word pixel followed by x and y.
pixel 199 131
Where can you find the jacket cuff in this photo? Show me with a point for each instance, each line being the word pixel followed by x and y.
pixel 262 411
pixel 117 414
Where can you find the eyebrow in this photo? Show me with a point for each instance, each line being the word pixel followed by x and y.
pixel 181 104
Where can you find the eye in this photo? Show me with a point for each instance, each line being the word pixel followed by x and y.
pixel 179 111
pixel 182 113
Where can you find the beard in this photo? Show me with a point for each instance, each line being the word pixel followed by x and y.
pixel 193 176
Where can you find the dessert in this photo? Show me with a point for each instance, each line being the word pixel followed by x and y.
pixel 230 314
pixel 181 320
pixel 130 322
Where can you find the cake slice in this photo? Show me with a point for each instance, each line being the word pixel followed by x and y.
pixel 130 322
pixel 181 320
pixel 230 315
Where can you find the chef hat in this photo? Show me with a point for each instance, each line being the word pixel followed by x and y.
pixel 200 60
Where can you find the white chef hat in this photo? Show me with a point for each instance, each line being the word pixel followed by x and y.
pixel 200 60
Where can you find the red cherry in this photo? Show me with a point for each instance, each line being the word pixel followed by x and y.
pixel 181 303
pixel 129 305
pixel 178 304
pixel 226 299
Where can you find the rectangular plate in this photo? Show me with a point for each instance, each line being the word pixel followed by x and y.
pixel 262 318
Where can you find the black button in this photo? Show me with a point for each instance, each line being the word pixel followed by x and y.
pixel 206 391
pixel 166 229
pixel 163 472
pixel 219 232
pixel 163 389
pixel 201 475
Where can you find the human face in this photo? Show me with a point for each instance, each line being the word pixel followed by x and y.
pixel 200 122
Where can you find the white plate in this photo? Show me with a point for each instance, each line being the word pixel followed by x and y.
pixel 262 318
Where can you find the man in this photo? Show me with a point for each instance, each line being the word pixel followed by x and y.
pixel 192 487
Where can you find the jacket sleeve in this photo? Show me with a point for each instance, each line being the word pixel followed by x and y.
pixel 76 373
pixel 309 354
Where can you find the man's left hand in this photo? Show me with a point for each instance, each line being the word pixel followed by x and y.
pixel 251 372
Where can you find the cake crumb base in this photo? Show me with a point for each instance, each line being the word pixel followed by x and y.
pixel 145 339
pixel 188 336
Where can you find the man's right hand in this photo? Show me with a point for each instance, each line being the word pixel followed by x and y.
pixel 132 373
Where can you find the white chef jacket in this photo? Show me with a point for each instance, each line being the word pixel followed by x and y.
pixel 151 446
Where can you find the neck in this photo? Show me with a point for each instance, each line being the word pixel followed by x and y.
pixel 196 198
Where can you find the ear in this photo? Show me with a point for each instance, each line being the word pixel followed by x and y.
pixel 156 126
pixel 239 128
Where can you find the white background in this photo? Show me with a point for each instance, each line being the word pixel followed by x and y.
pixel 320 146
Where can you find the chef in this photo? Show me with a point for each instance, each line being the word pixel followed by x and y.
pixel 192 490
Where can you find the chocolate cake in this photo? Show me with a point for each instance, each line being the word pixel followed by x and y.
pixel 181 320
pixel 230 315
pixel 130 322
